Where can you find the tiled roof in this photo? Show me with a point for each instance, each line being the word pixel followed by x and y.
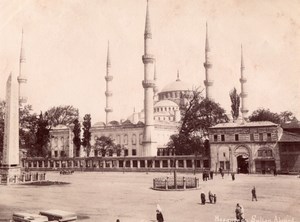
pixel 244 124
pixel 289 137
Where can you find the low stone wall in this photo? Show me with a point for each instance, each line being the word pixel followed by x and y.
pixel 22 178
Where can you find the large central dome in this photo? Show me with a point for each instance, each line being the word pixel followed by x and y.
pixel 177 85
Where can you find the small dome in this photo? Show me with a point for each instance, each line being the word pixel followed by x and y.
pixel 99 124
pixel 165 103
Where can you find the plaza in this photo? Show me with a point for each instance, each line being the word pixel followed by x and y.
pixel 96 196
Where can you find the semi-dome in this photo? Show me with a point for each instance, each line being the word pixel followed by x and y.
pixel 165 103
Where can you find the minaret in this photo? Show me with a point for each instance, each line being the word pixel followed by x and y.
pixel 208 82
pixel 149 148
pixel 22 79
pixel 108 93
pixel 178 79
pixel 155 89
pixel 244 93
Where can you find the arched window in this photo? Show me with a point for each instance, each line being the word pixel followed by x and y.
pixel 134 139
pixel 125 139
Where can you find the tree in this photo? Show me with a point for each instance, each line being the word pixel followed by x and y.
pixel 86 140
pixel 42 137
pixel 28 127
pixel 262 114
pixel 286 116
pixel 197 115
pixel 64 115
pixel 76 138
pixel 106 146
pixel 235 103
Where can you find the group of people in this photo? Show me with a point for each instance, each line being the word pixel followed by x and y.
pixel 207 175
pixel 212 198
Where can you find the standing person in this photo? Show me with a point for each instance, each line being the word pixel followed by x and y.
pixel 275 172
pixel 215 198
pixel 202 198
pixel 253 191
pixel 238 212
pixel 211 175
pixel 159 215
pixel 210 197
pixel 233 176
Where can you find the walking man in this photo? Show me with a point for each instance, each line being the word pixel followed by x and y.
pixel 253 194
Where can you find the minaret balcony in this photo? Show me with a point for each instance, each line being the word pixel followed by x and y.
pixel 23 99
pixel 243 94
pixel 108 109
pixel 244 110
pixel 108 93
pixel 109 78
pixel 148 83
pixel 208 82
pixel 148 58
pixel 243 80
pixel 22 79
pixel 207 65
pixel 147 35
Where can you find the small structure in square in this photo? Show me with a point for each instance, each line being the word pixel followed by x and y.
pixel 175 183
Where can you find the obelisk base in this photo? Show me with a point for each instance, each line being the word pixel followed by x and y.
pixel 9 174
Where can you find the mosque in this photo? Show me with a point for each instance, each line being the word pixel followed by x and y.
pixel 240 145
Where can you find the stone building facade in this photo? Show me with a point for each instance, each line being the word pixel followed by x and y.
pixel 245 147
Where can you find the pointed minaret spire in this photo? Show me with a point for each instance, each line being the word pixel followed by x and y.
pixel 149 146
pixel 206 39
pixel 108 92
pixel 22 79
pixel 147 24
pixel 208 82
pixel 108 63
pixel 244 93
pixel 178 79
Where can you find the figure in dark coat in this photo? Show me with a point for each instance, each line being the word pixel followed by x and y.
pixel 215 198
pixel 210 197
pixel 232 176
pixel 211 175
pixel 203 198
pixel 253 191
pixel 159 216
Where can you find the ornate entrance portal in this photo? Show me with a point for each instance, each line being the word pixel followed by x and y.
pixel 242 159
pixel 242 164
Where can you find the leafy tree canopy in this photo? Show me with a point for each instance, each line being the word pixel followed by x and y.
pixel 197 115
pixel 262 114
pixel 106 146
pixel 64 115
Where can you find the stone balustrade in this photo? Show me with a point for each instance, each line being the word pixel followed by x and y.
pixel 158 163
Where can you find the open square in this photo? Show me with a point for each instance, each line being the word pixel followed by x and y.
pixel 97 196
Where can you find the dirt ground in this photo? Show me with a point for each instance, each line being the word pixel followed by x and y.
pixel 97 196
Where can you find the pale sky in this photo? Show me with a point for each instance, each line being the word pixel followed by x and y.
pixel 65 44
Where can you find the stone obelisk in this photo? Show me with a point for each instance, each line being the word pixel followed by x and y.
pixel 10 162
